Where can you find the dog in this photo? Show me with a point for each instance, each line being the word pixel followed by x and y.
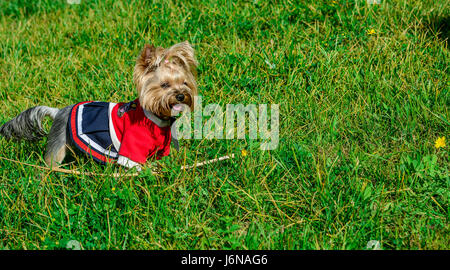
pixel 126 133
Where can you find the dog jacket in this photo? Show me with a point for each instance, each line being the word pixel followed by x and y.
pixel 118 132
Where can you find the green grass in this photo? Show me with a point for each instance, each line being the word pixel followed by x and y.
pixel 359 115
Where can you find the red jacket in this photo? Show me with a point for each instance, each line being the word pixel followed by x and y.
pixel 139 137
pixel 124 132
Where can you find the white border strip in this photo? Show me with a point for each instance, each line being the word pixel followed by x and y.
pixel 112 130
pixel 86 138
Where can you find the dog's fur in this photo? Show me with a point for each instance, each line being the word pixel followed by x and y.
pixel 160 76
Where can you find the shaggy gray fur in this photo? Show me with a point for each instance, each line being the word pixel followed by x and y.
pixel 58 137
pixel 27 125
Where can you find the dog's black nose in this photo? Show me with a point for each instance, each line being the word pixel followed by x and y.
pixel 180 97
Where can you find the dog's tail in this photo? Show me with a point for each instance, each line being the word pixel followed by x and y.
pixel 28 124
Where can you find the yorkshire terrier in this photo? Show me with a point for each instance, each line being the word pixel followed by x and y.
pixel 123 133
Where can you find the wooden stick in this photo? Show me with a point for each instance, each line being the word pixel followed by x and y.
pixel 57 169
pixel 196 165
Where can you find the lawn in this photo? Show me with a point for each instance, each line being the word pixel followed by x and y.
pixel 363 92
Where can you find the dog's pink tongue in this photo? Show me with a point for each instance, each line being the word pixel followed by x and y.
pixel 178 107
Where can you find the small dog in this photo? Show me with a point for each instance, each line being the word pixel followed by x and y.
pixel 123 133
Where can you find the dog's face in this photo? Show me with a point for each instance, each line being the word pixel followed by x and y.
pixel 165 78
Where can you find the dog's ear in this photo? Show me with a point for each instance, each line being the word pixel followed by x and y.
pixel 150 57
pixel 147 54
pixel 148 60
pixel 183 53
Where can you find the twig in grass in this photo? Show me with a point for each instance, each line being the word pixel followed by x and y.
pixel 57 169
pixel 196 165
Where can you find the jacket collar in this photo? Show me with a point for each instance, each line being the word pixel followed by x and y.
pixel 155 119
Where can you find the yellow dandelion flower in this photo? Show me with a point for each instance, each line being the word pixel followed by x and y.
pixel 440 142
pixel 371 32
pixel 244 153
pixel 113 189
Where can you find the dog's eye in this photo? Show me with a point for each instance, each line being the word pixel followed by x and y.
pixel 165 85
pixel 185 83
